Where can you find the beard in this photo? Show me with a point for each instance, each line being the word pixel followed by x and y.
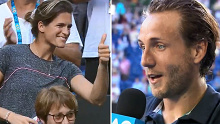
pixel 179 79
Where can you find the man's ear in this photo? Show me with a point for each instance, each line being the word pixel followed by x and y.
pixel 199 51
pixel 41 27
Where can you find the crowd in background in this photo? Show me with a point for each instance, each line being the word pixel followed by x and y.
pixel 127 71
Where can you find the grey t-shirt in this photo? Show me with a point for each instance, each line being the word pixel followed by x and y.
pixel 25 74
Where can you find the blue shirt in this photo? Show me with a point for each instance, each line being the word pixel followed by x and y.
pixel 207 111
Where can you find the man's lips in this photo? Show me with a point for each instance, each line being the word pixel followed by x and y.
pixel 153 78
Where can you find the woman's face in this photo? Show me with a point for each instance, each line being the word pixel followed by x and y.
pixel 58 31
pixel 62 115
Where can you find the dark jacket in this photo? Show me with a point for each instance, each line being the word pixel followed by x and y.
pixel 207 111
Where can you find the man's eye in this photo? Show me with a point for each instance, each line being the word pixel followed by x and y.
pixel 161 47
pixel 142 47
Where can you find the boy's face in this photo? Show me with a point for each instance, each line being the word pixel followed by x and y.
pixel 56 115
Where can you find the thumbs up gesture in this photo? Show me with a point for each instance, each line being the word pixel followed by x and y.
pixel 103 50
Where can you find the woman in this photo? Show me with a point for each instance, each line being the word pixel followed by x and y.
pixel 56 105
pixel 26 69
pixel 9 33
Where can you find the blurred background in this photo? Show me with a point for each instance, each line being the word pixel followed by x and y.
pixel 127 71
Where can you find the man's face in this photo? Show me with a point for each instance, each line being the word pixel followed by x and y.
pixel 166 59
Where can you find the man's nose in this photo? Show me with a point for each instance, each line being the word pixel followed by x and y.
pixel 148 59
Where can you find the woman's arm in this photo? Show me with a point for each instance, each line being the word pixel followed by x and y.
pixel 10 116
pixel 14 118
pixel 1 79
pixel 95 93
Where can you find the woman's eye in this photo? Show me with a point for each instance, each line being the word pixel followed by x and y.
pixel 69 26
pixel 60 25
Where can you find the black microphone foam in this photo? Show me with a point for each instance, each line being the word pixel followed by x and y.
pixel 132 103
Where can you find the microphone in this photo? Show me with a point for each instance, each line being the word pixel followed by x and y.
pixel 130 107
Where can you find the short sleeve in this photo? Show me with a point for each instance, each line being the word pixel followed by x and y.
pixel 73 70
pixel 74 34
pixel 4 59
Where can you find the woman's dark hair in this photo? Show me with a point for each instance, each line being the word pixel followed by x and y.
pixel 47 12
pixel 197 25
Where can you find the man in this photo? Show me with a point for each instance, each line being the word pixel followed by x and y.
pixel 178 41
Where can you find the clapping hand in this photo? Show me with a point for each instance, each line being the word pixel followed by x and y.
pixel 9 32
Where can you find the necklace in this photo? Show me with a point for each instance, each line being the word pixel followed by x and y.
pixel 42 62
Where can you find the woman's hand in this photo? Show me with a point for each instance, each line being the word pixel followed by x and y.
pixel 103 50
pixel 14 118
